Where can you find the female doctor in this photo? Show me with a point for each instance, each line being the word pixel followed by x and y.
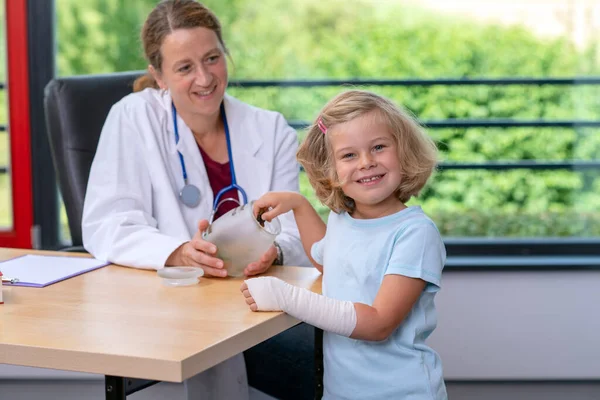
pixel 166 152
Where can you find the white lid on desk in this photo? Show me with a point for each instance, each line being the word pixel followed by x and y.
pixel 180 272
pixel 180 276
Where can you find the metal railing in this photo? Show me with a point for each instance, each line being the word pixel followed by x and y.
pixel 453 123
pixel 465 123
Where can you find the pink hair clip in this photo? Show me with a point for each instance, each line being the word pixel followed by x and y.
pixel 322 126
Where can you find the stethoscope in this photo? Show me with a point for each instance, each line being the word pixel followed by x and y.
pixel 190 194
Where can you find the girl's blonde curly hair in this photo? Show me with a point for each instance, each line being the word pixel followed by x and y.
pixel 417 153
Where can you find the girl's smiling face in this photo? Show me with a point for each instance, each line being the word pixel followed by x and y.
pixel 366 160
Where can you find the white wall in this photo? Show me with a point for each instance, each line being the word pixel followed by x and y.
pixel 519 325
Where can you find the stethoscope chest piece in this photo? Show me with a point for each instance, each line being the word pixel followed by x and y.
pixel 190 195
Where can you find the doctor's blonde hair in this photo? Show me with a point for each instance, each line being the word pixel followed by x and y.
pixel 417 153
pixel 166 17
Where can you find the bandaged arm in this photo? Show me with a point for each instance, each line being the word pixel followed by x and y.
pixel 272 294
pixel 356 320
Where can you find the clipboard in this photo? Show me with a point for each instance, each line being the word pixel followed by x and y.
pixel 40 270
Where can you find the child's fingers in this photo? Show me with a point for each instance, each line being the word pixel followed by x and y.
pixel 265 214
pixel 255 208
pixel 248 297
pixel 250 301
pixel 260 204
pixel 270 214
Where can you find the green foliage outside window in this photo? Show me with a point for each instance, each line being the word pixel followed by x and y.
pixel 310 39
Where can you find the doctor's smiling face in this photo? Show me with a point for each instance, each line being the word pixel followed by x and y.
pixel 194 70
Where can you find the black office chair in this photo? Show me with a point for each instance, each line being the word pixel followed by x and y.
pixel 76 108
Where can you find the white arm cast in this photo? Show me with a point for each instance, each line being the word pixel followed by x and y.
pixel 273 294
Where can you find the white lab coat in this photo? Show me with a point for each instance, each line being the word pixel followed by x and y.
pixel 132 213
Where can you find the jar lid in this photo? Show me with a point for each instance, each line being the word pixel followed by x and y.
pixel 180 276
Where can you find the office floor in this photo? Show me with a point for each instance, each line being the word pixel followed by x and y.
pixel 169 391
pixel 258 395
pixel 43 389
pixel 19 389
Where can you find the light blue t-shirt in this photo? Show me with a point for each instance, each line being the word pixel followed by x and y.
pixel 356 254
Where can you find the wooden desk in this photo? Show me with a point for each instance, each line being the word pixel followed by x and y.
pixel 124 322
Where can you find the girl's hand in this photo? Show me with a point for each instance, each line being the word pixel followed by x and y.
pixel 273 204
pixel 263 264
pixel 198 253
pixel 249 300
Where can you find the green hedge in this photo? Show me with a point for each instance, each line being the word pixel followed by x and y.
pixel 310 39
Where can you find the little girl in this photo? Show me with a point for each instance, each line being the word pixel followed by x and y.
pixel 381 260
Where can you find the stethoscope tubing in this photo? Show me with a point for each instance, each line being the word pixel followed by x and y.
pixel 233 184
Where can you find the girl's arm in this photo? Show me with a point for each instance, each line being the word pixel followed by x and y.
pixel 395 298
pixel 417 259
pixel 393 302
pixel 285 178
pixel 310 225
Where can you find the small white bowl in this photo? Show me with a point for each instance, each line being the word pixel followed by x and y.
pixel 180 276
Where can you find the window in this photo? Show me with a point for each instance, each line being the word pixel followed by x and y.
pixel 509 92
pixel 6 214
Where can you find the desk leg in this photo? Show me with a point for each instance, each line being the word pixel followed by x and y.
pixel 117 388
pixel 114 387
pixel 318 364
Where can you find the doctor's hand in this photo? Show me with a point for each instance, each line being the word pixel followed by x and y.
pixel 262 265
pixel 198 253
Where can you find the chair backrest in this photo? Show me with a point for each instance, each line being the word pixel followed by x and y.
pixel 76 108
